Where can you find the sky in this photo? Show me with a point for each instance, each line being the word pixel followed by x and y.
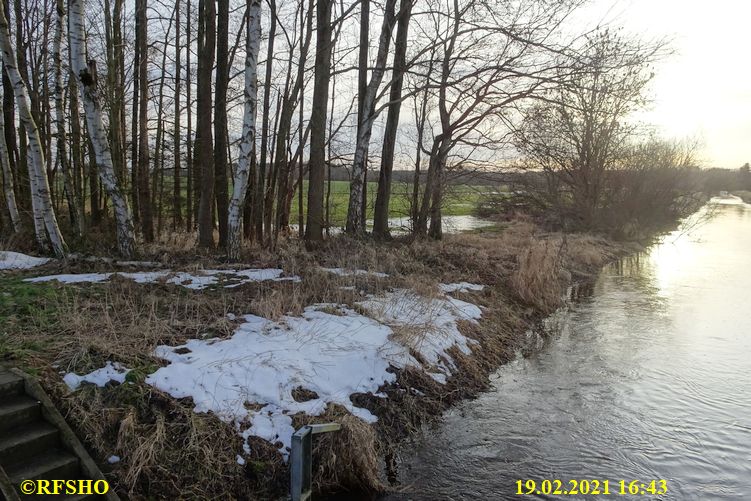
pixel 703 90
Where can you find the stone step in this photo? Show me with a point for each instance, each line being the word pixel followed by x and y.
pixel 35 441
pixel 17 411
pixel 51 465
pixel 26 441
pixel 10 385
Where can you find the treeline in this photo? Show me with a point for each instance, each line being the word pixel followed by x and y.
pixel 213 116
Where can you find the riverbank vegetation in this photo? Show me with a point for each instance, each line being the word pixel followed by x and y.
pixel 53 329
pixel 215 188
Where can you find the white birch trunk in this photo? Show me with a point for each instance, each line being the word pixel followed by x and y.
pixel 74 206
pixel 36 206
pixel 240 188
pixel 40 190
pixel 86 77
pixel 8 184
pixel 367 119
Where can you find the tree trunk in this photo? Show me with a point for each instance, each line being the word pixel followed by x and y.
pixel 240 188
pixel 134 140
pixel 114 84
pixel 263 168
pixel 8 185
pixel 204 143
pixel 362 89
pixel 86 76
pixel 76 218
pixel 41 192
pixel 381 215
pixel 317 168
pixel 144 197
pixel 176 205
pixel 189 206
pixel 355 220
pixel 75 144
pixel 220 120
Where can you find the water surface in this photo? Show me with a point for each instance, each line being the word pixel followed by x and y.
pixel 647 377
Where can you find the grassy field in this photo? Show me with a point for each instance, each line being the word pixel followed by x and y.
pixel 459 200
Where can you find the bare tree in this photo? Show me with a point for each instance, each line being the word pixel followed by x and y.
pixel 144 197
pixel 8 184
pixel 220 120
pixel 577 136
pixel 240 188
pixel 383 196
pixel 367 116
pixel 203 142
pixel 317 168
pixel 87 83
pixel 44 211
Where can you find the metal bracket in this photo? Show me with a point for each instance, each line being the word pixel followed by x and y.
pixel 301 459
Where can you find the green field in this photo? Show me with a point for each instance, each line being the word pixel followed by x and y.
pixel 460 200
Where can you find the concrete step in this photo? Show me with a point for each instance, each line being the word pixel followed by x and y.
pixel 26 441
pixel 51 465
pixel 17 411
pixel 10 385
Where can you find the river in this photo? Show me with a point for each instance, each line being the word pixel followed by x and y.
pixel 646 377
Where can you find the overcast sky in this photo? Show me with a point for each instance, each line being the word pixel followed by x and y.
pixel 704 90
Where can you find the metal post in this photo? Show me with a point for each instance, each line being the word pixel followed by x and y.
pixel 301 459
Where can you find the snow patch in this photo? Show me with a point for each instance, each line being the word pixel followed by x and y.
pixel 343 272
pixel 461 287
pixel 74 278
pixel 17 261
pixel 196 281
pixel 433 323
pixel 330 349
pixel 112 371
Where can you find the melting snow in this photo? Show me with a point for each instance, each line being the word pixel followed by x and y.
pixel 16 261
pixel 331 350
pixel 199 280
pixel 334 353
pixel 343 272
pixel 74 278
pixel 433 322
pixel 100 377
pixel 461 287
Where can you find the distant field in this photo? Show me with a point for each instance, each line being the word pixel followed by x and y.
pixel 459 200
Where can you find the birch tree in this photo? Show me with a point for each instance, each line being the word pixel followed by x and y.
pixel 8 184
pixel 240 188
pixel 74 206
pixel 381 212
pixel 86 77
pixel 367 116
pixel 41 199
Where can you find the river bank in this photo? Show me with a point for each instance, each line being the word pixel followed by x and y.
pixel 200 407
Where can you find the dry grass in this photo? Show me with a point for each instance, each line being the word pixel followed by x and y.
pixel 169 451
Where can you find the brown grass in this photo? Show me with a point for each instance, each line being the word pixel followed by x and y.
pixel 169 451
